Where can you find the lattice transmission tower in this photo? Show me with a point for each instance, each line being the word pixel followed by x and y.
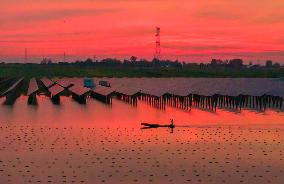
pixel 158 43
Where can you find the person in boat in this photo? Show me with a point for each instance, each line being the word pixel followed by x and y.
pixel 172 122
pixel 157 125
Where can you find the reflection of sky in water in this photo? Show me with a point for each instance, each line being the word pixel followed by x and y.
pixel 65 144
pixel 80 153
pixel 119 113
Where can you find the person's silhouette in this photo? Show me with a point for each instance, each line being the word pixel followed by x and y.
pixel 172 122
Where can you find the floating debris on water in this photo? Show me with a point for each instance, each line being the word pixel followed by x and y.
pixel 88 154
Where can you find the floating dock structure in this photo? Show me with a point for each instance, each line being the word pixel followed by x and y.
pixel 103 94
pixel 181 93
pixel 55 92
pixel 128 95
pixel 5 83
pixel 79 93
pixel 178 100
pixel 236 103
pixel 32 92
pixel 202 93
pixel 13 92
pixel 154 99
pixel 47 83
pixel 65 83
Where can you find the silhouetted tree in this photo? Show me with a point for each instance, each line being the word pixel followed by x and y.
pixel 216 62
pixel 133 59
pixel 45 61
pixel 235 63
pixel 110 62
pixel 268 64
pixel 276 65
pixel 155 62
pixel 89 61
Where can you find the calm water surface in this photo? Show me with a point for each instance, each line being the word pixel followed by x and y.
pixel 122 114
pixel 97 143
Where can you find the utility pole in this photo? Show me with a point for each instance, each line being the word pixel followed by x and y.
pixel 26 55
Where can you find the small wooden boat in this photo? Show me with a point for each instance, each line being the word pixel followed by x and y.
pixel 157 125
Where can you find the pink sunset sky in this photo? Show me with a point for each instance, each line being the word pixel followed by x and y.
pixel 193 31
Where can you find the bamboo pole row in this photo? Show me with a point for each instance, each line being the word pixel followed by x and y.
pixel 260 103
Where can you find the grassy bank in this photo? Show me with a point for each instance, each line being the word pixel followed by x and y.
pixel 30 70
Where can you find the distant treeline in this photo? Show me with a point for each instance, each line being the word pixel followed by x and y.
pixel 133 67
pixel 134 62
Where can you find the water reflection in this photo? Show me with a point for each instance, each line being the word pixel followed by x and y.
pixel 98 143
pixel 122 114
